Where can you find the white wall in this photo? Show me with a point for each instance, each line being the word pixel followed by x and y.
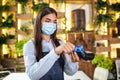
pixel 88 14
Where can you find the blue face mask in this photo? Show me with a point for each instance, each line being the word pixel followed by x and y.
pixel 48 28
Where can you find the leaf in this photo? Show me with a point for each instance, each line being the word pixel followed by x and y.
pixel 103 18
pixel 39 6
pixel 22 1
pixel 115 6
pixel 102 61
pixel 100 5
pixel 9 22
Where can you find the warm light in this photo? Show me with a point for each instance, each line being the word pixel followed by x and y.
pixel 104 0
pixel 113 1
pixel 117 15
pixel 68 16
pixel 11 31
pixel 46 1
pixel 19 8
pixel 19 55
pixel 4 31
pixel 105 42
pixel 113 50
pixel 59 7
pixel 36 1
pixel 104 53
pixel 103 29
pixel 103 11
pixel 19 23
pixel 35 14
pixel 89 27
pixel 62 37
pixel 3 2
pixel 19 37
pixel 5 49
pixel 4 14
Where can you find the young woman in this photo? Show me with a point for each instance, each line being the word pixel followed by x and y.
pixel 46 57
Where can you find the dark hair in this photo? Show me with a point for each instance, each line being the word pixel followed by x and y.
pixel 37 31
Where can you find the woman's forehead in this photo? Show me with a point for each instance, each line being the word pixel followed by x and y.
pixel 50 16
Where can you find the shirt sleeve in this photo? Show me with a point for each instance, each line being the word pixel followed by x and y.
pixel 34 69
pixel 70 67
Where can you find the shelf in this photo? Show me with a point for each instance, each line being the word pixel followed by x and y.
pixel 78 1
pixel 102 49
pixel 21 32
pixel 102 37
pixel 24 16
pixel 30 0
pixel 13 8
pixel 73 1
pixel 60 15
pixel 114 40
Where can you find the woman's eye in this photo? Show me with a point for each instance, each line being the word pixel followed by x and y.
pixel 47 21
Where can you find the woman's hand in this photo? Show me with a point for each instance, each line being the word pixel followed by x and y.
pixel 65 48
pixel 74 57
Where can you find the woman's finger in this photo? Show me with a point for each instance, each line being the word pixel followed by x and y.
pixel 76 57
pixel 71 45
pixel 72 57
pixel 67 48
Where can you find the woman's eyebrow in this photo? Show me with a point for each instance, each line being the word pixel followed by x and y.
pixel 50 19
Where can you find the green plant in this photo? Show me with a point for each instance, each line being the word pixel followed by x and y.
pixel 11 36
pixel 3 39
pixel 9 22
pixel 37 7
pixel 115 7
pixel 103 18
pixel 22 1
pixel 26 26
pixel 101 5
pixel 19 45
pixel 59 1
pixel 5 7
pixel 101 61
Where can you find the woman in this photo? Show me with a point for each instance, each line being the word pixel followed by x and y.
pixel 46 57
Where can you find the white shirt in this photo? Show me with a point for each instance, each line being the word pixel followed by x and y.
pixel 36 70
